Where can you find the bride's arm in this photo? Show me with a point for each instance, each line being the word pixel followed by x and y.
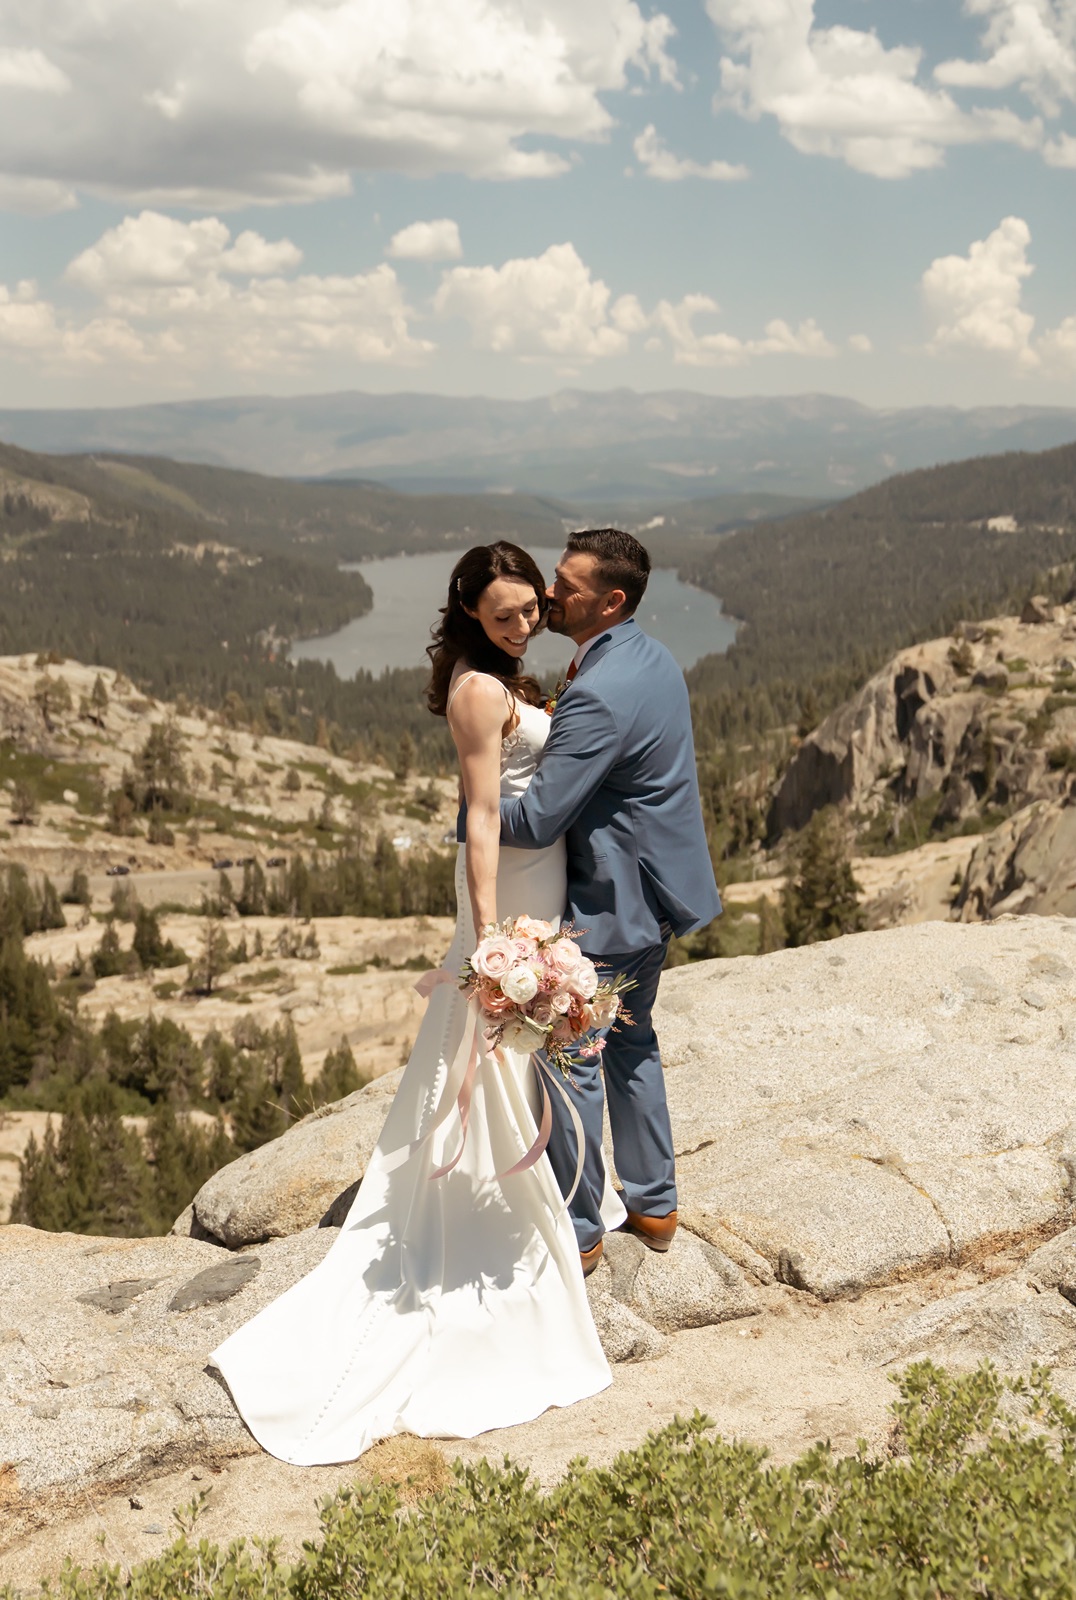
pixel 477 720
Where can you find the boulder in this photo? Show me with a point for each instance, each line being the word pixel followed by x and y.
pixel 1037 610
pixel 1008 1322
pixel 859 1112
pixel 293 1182
pixel 845 1115
pixel 1026 865
pixel 691 1285
pixel 103 1348
pixel 1025 1318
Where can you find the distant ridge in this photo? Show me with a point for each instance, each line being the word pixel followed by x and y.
pixel 576 446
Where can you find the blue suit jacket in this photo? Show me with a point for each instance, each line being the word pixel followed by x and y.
pixel 617 778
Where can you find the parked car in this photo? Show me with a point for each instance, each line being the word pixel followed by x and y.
pixel 245 861
pixel 223 864
pixel 277 861
pixel 117 872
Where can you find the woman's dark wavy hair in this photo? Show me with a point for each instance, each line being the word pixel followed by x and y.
pixel 459 637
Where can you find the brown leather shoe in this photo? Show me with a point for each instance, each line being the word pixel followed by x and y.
pixel 656 1232
pixel 588 1259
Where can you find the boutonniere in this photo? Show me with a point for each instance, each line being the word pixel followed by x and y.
pixel 551 703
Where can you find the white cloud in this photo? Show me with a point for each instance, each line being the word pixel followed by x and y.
pixel 203 104
pixel 1032 45
pixel 840 92
pixel 976 303
pixel 155 250
pixel 719 349
pixel 427 241
pixel 1061 152
pixel 860 343
pixel 545 307
pixel 1058 348
pixel 975 299
pixel 659 162
pixel 31 69
pixel 26 321
pixel 186 299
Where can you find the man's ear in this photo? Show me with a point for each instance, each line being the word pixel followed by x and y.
pixel 615 601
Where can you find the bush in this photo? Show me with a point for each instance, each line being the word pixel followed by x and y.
pixel 979 1502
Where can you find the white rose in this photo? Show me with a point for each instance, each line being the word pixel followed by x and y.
pixel 521 1034
pixel 520 985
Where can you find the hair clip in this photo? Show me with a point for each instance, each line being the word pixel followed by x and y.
pixel 459 585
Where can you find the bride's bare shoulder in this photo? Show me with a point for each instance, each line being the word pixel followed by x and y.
pixel 477 696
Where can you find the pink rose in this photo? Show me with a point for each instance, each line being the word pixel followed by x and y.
pixel 560 1000
pixel 526 948
pixel 563 956
pixel 495 1003
pixel 494 957
pixel 533 928
pixel 583 981
pixel 543 1013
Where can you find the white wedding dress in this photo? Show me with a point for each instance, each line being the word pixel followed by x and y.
pixel 451 1305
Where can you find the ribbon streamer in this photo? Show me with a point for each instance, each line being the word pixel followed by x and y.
pixel 459 1090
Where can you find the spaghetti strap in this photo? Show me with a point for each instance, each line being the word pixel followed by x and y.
pixel 462 679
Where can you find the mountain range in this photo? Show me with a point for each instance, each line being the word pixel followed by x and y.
pixel 619 448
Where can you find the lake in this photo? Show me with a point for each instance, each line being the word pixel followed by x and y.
pixel 408 591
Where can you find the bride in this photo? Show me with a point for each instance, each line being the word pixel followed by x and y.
pixel 448 1304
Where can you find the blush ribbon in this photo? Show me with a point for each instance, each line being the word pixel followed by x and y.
pixel 459 1090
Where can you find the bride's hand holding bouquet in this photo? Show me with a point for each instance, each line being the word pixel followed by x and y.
pixel 536 990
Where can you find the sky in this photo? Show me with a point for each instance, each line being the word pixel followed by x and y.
pixel 873 198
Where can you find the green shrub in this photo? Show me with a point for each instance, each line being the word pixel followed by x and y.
pixel 979 1501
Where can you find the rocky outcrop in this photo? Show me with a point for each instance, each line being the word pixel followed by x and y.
pixel 307 1176
pixel 845 1115
pixel 861 1111
pixel 890 1114
pixel 103 1345
pixel 1024 1319
pixel 1026 865
pixel 970 720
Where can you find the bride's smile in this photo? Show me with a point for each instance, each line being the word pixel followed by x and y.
pixel 509 612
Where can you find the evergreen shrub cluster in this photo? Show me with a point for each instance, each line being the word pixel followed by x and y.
pixel 977 1499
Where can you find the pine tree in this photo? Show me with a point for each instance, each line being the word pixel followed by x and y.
pixel 39 1202
pixel 821 898
pixel 182 1156
pixel 99 699
pixel 109 959
pixel 405 757
pixel 339 1076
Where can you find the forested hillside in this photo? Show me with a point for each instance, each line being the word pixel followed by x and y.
pixel 827 597
pixel 191 579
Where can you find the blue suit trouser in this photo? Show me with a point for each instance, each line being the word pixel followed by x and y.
pixel 634 1089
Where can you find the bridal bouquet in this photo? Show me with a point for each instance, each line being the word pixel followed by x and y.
pixel 538 991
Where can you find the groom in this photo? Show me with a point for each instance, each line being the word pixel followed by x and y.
pixel 617 779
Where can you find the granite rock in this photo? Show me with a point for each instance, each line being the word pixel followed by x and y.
pixel 859 1112
pixel 292 1182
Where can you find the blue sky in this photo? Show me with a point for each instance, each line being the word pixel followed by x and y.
pixel 511 197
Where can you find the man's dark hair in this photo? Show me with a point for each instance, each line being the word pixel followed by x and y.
pixel 623 563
